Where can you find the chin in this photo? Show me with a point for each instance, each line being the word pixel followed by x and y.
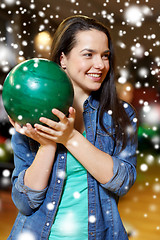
pixel 93 88
pixel 96 88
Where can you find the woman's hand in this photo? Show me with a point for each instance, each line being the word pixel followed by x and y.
pixel 61 131
pixel 31 132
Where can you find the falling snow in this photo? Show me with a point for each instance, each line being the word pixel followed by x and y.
pixel 136 41
pixel 27 235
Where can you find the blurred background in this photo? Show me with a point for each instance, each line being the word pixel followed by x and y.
pixel 26 31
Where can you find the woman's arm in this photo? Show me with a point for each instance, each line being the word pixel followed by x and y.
pixel 25 198
pixel 98 163
pixel 32 167
pixel 37 175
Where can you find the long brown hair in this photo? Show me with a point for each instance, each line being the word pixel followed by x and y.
pixel 64 41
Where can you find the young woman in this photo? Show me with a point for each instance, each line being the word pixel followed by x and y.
pixel 69 174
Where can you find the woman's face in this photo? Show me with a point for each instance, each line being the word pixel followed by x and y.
pixel 87 64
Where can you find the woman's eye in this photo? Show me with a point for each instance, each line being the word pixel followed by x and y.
pixel 106 57
pixel 88 54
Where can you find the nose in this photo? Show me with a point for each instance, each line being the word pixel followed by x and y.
pixel 98 63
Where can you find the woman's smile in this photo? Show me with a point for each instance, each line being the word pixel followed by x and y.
pixel 95 76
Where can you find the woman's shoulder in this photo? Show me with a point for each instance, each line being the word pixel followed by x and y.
pixel 129 108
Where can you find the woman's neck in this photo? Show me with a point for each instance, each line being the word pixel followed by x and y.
pixel 79 98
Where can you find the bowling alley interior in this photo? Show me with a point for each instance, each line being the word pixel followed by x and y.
pixel 26 31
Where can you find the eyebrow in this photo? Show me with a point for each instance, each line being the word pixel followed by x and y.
pixel 91 50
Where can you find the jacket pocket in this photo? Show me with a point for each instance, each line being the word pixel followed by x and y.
pixel 105 141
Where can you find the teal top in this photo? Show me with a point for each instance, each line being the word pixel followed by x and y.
pixel 71 221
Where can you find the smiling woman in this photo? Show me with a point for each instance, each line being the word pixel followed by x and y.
pixel 69 174
pixel 87 64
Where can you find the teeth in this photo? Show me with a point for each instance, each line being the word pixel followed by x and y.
pixel 94 74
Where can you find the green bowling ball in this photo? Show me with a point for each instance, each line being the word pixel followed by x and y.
pixel 33 88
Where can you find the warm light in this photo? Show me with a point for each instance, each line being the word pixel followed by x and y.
pixel 43 40
pixel 125 91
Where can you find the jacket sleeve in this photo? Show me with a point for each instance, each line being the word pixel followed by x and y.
pixel 24 198
pixel 124 163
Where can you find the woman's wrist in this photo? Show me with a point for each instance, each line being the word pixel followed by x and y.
pixel 73 140
pixel 48 146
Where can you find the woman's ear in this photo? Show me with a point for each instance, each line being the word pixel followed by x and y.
pixel 62 60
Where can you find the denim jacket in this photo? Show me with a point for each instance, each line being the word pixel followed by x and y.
pixel 104 222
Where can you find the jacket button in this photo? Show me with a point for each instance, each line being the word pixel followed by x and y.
pixel 91 233
pixel 91 189
pixel 91 211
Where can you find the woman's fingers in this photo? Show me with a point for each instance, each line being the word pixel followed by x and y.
pixel 52 124
pixel 46 135
pixel 11 121
pixel 41 128
pixel 62 117
pixel 26 130
pixel 16 125
pixel 72 113
pixel 58 126
pixel 57 131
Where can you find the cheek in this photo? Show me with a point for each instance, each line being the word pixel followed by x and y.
pixel 107 66
pixel 82 67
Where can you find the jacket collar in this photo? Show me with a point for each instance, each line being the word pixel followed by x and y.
pixel 93 103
